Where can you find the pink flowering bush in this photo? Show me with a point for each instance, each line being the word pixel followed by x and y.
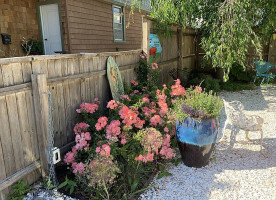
pixel 124 142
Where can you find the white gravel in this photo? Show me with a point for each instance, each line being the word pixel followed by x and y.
pixel 37 193
pixel 244 173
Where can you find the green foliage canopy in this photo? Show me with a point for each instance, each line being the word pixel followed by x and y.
pixel 228 27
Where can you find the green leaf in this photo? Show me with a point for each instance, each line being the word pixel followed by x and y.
pixel 161 175
pixel 162 168
pixel 134 185
pixel 177 161
pixel 72 189
pixel 62 185
pixel 213 159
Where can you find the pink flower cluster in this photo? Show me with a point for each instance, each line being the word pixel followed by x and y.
pixel 112 104
pixel 162 104
pixel 81 140
pixel 148 111
pixel 78 168
pixel 135 83
pixel 154 66
pixel 88 108
pixel 81 127
pixel 125 97
pixel 123 141
pixel 166 151
pixel 177 89
pixel 113 130
pixel 129 116
pixel 82 136
pixel 197 89
pixel 146 158
pixel 145 99
pixel 104 151
pixel 143 56
pixel 102 122
pixel 155 120
pixel 70 159
pixel 134 92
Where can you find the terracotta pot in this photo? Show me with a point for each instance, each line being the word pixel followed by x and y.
pixel 196 140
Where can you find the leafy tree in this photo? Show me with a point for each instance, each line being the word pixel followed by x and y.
pixel 228 27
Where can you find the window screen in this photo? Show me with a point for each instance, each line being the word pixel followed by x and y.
pixel 118 23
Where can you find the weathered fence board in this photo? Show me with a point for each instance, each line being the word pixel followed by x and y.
pixel 15 131
pixel 6 140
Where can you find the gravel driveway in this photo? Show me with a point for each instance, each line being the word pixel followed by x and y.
pixel 244 173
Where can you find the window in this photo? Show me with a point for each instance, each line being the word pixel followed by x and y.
pixel 118 23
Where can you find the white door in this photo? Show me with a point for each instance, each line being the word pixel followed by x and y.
pixel 50 28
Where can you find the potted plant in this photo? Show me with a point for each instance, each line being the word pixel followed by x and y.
pixel 197 122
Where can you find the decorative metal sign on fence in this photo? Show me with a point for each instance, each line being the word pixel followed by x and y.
pixel 115 79
pixel 155 48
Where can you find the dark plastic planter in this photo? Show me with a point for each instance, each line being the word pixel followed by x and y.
pixel 196 140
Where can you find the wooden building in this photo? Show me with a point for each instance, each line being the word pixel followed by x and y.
pixel 71 26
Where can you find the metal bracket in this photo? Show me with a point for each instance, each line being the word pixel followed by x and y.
pixel 56 155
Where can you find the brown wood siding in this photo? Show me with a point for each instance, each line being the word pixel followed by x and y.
pixel 64 25
pixel 19 19
pixel 91 28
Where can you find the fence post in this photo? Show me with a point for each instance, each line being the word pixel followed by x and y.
pixel 180 54
pixel 41 106
pixel 146 35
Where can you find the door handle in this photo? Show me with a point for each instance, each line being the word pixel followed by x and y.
pixel 46 39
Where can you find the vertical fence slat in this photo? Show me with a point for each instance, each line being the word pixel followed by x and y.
pixel 97 80
pixel 24 127
pixel 1 78
pixel 26 72
pixel 55 114
pixel 17 73
pixel 25 132
pixel 3 175
pixel 41 105
pixel 32 126
pixel 61 115
pixel 2 164
pixel 15 131
pixel 92 68
pixel 70 100
pixel 33 135
pixel 6 140
pixel 66 97
pixel 7 75
pixel 75 90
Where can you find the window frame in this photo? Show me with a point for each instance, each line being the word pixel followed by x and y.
pixel 122 22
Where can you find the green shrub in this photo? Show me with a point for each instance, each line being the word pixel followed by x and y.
pixel 19 191
pixel 32 47
pixel 237 86
pixel 239 73
pixel 207 82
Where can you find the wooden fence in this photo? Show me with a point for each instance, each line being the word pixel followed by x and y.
pixel 24 83
pixel 182 52
pixel 179 51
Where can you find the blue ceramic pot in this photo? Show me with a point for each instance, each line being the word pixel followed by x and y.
pixel 196 140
